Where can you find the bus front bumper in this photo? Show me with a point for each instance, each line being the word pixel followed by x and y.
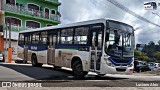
pixel 105 69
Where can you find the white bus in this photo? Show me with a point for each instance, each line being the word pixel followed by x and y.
pixel 102 46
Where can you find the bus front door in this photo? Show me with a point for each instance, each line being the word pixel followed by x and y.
pixel 26 49
pixel 51 49
pixel 96 49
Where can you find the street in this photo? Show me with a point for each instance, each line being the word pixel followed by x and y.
pixel 50 77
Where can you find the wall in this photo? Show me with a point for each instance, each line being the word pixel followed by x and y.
pixel 14 45
pixel 14 53
pixel 23 18
pixel 1 25
pixel 1 43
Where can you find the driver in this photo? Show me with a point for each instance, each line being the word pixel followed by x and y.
pixel 116 42
pixel 116 37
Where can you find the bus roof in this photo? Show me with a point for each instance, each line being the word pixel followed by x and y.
pixel 73 24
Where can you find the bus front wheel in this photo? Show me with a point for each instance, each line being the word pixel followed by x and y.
pixel 78 69
pixel 34 61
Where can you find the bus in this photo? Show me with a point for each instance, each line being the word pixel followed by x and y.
pixel 102 46
pixel 150 5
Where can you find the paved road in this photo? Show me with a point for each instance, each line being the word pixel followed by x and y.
pixel 49 76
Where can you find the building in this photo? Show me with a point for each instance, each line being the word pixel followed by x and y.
pixel 24 15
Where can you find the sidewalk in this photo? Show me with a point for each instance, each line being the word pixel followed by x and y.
pixel 14 57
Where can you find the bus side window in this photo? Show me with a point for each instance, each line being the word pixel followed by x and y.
pixel 81 35
pixel 43 37
pixel 58 38
pixel 35 38
pixel 30 39
pixel 21 39
pixel 67 36
pixel 99 46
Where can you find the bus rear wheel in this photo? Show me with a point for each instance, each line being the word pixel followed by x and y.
pixel 34 61
pixel 78 70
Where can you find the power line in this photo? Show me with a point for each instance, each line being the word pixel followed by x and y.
pixel 141 1
pixel 115 13
pixel 118 15
pixel 119 5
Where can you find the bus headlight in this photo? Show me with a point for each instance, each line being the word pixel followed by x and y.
pixel 131 64
pixel 109 63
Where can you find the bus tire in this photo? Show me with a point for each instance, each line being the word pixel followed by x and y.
pixel 78 69
pixel 34 62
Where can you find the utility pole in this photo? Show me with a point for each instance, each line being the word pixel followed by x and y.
pixel 10 48
pixel 10 22
pixel 6 42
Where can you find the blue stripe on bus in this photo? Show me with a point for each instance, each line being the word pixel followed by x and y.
pixel 36 47
pixel 39 47
pixel 80 48
pixel 45 47
pixel 115 63
pixel 67 47
pixel 22 46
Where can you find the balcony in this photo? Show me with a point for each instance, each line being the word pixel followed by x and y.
pixel 33 13
pixel 17 28
pixel 14 28
pixel 52 1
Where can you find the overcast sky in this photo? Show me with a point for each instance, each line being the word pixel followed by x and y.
pixel 82 10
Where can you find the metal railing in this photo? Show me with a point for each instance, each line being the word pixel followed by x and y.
pixel 15 28
pixel 31 12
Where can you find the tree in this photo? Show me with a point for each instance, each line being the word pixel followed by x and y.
pixel 150 49
pixel 140 55
pixel 157 56
pixel 158 46
pixel 158 42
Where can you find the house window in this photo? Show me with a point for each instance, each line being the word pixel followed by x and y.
pixel 46 13
pixel 32 24
pixel 11 2
pixel 14 21
pixel 33 7
pixel 53 12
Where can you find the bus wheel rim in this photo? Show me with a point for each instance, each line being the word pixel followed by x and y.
pixel 79 68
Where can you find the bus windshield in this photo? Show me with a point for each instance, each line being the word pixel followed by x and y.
pixel 120 43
